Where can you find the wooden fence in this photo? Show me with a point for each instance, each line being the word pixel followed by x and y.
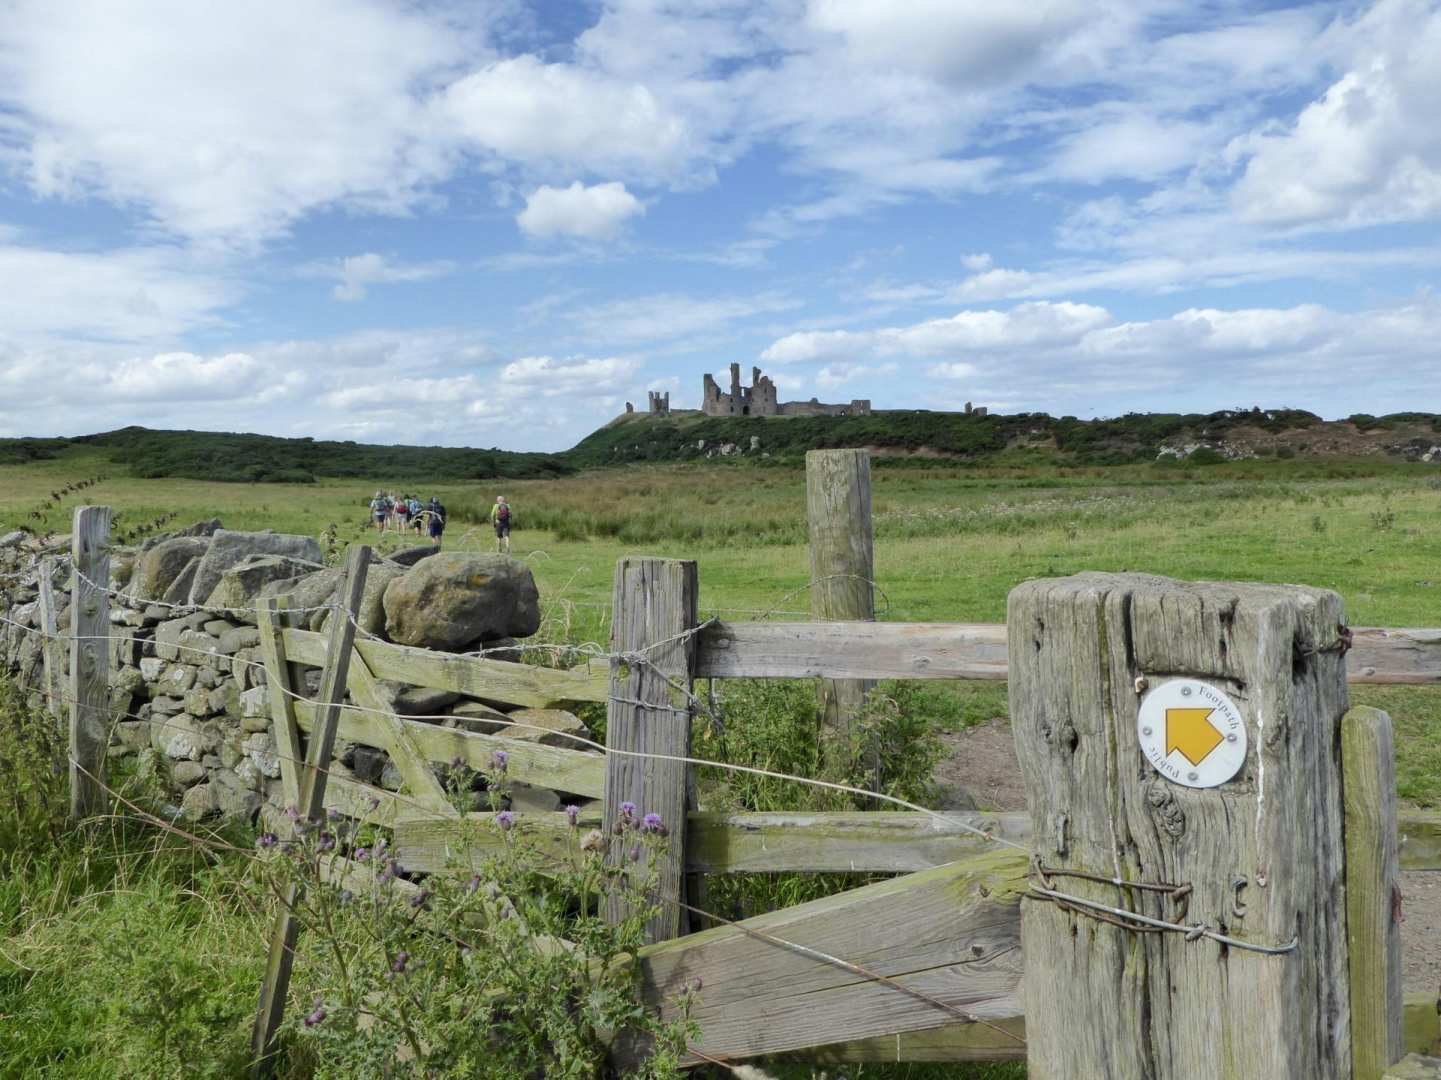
pixel 927 965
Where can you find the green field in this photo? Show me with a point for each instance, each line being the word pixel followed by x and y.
pixel 950 543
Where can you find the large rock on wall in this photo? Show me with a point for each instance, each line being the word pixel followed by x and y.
pixel 241 584
pixel 453 599
pixel 307 596
pixel 229 548
pixel 157 569
pixel 371 618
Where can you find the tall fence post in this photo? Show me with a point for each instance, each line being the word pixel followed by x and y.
pixel 286 931
pixel 649 712
pixel 1373 897
pixel 89 658
pixel 838 512
pixel 1182 739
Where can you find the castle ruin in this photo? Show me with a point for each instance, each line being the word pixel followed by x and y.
pixel 759 399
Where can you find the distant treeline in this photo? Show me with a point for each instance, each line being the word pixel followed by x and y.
pixel 209 455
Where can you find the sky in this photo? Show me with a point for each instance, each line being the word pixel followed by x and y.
pixel 493 222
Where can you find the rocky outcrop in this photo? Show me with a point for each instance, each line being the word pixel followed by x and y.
pixel 453 600
pixel 241 584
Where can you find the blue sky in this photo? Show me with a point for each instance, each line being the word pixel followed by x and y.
pixel 494 223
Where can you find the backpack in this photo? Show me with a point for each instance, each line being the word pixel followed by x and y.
pixel 503 514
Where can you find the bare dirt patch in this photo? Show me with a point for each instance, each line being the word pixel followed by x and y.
pixel 981 764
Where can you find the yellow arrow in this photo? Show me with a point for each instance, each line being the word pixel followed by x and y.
pixel 1188 731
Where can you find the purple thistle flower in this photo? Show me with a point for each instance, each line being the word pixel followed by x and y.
pixel 420 899
pixel 332 814
pixel 474 883
pixel 326 842
pixel 652 823
pixel 361 854
pixel 392 868
pixel 695 985
pixel 572 813
pixel 505 819
pixel 627 809
pixel 499 760
pixel 635 854
pixel 266 841
pixel 401 959
pixel 373 802
pixel 315 1018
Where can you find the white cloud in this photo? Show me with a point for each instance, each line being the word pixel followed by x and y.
pixel 976 44
pixel 356 273
pixel 592 213
pixel 664 316
pixel 1369 149
pixel 550 376
pixel 1026 325
pixel 130 294
pixel 565 116
pixel 183 376
pixel 226 120
pixel 1084 361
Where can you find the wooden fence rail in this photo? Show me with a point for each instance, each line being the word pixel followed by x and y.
pixel 806 650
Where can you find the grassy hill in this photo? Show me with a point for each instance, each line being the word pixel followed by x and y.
pixel 894 437
pixel 1021 438
pixel 210 455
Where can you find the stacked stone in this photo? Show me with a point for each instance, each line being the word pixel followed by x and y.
pixel 188 690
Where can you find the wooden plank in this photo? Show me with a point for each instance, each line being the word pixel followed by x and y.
pixel 280 692
pixel 949 937
pixel 371 804
pixel 1421 1024
pixel 895 650
pixel 286 931
pixel 1373 928
pixel 1103 999
pixel 648 712
pixel 414 767
pixel 1415 1067
pixel 1419 836
pixel 955 1042
pixel 969 1042
pixel 575 771
pixel 899 842
pixel 491 680
pixel 862 841
pixel 842 550
pixel 52 653
pixel 432 845
pixel 89 659
pixel 1394 656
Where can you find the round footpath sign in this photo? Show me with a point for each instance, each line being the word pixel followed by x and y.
pixel 1192 733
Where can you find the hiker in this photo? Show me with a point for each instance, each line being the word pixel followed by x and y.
pixel 415 509
pixel 437 520
pixel 379 511
pixel 500 517
pixel 402 513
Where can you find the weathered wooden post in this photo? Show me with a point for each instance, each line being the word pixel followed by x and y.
pixel 89 658
pixel 1180 745
pixel 649 713
pixel 1373 897
pixel 838 510
pixel 52 653
pixel 334 679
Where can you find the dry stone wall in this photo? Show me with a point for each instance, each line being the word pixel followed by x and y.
pixel 188 689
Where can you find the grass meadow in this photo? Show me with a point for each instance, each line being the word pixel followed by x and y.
pixel 950 543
